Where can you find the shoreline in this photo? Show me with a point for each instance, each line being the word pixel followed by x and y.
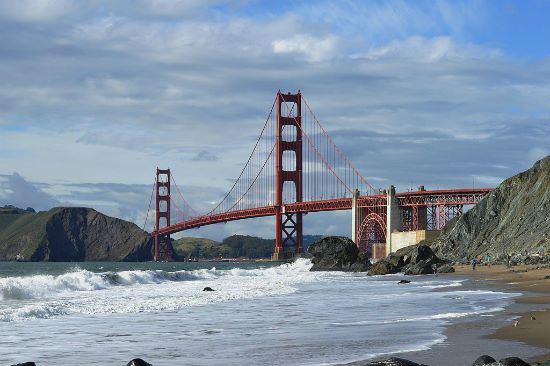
pixel 533 282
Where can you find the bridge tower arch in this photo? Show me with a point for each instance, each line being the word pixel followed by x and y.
pixel 288 226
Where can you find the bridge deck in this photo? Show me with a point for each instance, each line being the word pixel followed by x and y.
pixel 418 198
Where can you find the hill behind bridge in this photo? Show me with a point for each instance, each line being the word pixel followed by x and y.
pixel 234 246
pixel 70 234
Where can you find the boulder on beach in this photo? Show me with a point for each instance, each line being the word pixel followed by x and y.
pixel 138 362
pixel 208 289
pixel 484 360
pixel 512 361
pixel 411 260
pixel 382 267
pixel 393 361
pixel 362 263
pixel 337 253
pixel 25 364
pixel 422 261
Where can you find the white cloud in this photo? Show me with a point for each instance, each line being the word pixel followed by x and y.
pixel 312 48
pixel 35 10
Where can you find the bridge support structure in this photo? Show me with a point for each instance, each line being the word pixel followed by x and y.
pixel 368 215
pixel 163 246
pixel 288 226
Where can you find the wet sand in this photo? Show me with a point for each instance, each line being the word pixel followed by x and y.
pixel 494 334
pixel 532 309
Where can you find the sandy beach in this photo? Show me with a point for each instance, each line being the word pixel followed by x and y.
pixel 534 318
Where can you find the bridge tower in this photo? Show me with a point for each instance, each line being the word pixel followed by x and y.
pixel 289 235
pixel 163 246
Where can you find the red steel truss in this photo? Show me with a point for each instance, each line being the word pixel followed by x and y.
pixel 442 197
pixel 431 210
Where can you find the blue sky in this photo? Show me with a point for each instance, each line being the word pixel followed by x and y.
pixel 94 95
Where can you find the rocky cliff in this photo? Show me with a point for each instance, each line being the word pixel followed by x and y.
pixel 71 234
pixel 511 220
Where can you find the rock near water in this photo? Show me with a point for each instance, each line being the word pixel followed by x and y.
pixel 484 360
pixel 138 362
pixel 514 219
pixel 393 361
pixel 337 253
pixel 412 260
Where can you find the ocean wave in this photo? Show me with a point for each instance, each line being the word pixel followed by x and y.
pixel 81 280
pixel 38 311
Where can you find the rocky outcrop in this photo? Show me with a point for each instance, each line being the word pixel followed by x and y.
pixel 138 362
pixel 423 261
pixel 412 260
pixel 71 234
pixel 512 361
pixel 337 253
pixel 513 219
pixel 383 267
pixel 394 361
pixel 484 360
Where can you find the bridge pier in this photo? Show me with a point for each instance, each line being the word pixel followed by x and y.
pixel 354 217
pixel 394 218
pixel 288 226
pixel 162 245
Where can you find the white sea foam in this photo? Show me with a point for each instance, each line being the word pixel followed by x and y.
pixel 86 292
pixel 310 317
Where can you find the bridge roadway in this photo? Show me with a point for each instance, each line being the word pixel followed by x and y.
pixel 416 198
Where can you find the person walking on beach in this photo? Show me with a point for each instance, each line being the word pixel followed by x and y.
pixel 474 263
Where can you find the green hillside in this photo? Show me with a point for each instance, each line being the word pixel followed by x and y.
pixel 65 234
pixel 234 246
pixel 22 233
pixel 189 247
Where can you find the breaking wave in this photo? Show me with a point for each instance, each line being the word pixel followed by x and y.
pixel 45 286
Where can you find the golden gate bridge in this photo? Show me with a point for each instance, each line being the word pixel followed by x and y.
pixel 296 168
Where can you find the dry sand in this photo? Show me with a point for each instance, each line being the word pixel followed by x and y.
pixel 534 283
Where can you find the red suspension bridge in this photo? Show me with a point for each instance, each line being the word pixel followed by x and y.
pixel 296 168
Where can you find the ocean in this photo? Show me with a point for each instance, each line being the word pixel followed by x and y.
pixel 259 313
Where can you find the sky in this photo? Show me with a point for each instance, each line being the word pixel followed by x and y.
pixel 94 95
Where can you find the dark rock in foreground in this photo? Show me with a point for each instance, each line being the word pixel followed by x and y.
pixel 25 364
pixel 394 361
pixel 138 362
pixel 207 288
pixel 512 361
pixel 337 253
pixel 484 360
